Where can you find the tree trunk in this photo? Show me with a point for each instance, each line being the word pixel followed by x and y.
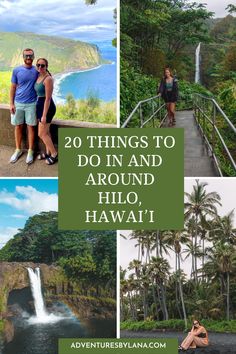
pixel 157 243
pixel 145 306
pixel 227 294
pixel 195 250
pixel 203 257
pixel 181 295
pixel 164 302
pixel 159 296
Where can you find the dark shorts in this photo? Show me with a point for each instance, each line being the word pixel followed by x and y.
pixel 39 109
pixel 170 97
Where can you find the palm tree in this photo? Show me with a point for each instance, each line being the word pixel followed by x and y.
pixel 159 270
pixel 223 258
pixel 223 229
pixel 190 250
pixel 175 238
pixel 200 204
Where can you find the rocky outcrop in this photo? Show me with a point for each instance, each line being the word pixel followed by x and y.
pixel 8 331
pixel 64 55
pixel 90 307
pixel 14 276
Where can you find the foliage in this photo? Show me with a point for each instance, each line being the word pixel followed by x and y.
pixel 5 78
pixel 212 326
pixel 150 42
pixel 87 257
pixel 151 292
pixel 88 110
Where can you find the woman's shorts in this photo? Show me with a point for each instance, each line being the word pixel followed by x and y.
pixel 170 97
pixel 40 107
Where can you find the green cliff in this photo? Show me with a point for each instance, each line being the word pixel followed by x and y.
pixel 63 54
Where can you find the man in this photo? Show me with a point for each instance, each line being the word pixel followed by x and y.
pixel 23 104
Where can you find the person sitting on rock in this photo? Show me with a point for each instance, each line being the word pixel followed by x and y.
pixel 197 338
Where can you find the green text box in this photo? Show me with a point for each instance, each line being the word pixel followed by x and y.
pixel 145 153
pixel 117 346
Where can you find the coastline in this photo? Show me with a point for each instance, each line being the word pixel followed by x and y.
pixel 59 77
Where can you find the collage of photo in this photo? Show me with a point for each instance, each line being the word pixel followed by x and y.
pixel 151 64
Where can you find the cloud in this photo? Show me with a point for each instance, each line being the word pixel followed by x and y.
pixel 6 233
pixel 29 200
pixel 18 216
pixel 59 17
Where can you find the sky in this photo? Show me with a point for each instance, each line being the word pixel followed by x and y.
pixel 217 6
pixel 70 18
pixel 22 198
pixel 226 187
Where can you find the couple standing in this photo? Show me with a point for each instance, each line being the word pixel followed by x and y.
pixel 31 103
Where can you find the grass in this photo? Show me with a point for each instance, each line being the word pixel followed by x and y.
pixel 178 325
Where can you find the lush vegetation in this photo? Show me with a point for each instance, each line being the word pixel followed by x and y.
pixel 149 42
pixel 5 77
pixel 91 109
pixel 88 258
pixel 179 325
pixel 63 54
pixel 151 292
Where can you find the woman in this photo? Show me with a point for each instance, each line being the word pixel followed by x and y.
pixel 169 92
pixel 45 110
pixel 198 337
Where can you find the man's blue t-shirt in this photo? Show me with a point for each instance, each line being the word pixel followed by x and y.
pixel 25 79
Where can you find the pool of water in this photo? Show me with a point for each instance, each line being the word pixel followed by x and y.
pixel 33 338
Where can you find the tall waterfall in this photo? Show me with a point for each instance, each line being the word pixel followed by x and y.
pixel 36 289
pixel 197 63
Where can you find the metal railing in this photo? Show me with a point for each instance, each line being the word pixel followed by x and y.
pixel 218 132
pixel 148 113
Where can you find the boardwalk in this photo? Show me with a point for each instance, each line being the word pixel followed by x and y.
pixel 197 160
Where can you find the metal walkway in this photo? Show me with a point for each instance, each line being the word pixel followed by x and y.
pixel 197 160
pixel 210 136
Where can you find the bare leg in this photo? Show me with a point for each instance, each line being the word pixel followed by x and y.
pixel 172 111
pixel 193 341
pixel 169 114
pixel 44 134
pixel 18 135
pixel 188 342
pixel 31 134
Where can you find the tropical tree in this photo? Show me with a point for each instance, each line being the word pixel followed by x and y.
pixel 200 204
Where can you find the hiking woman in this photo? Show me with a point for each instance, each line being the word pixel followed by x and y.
pixel 45 110
pixel 169 92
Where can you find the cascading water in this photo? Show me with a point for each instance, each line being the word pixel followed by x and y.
pixel 197 63
pixel 42 315
pixel 36 289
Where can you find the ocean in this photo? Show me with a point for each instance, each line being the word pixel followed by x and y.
pixel 100 81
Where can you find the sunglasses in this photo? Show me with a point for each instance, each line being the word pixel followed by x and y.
pixel 195 323
pixel 40 65
pixel 28 56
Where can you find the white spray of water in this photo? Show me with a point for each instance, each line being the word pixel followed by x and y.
pixel 197 63
pixel 42 315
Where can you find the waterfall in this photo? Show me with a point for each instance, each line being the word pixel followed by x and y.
pixel 36 289
pixel 197 63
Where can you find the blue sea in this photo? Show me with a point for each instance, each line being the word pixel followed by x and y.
pixel 100 81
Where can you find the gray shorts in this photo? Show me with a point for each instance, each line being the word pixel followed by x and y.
pixel 25 113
